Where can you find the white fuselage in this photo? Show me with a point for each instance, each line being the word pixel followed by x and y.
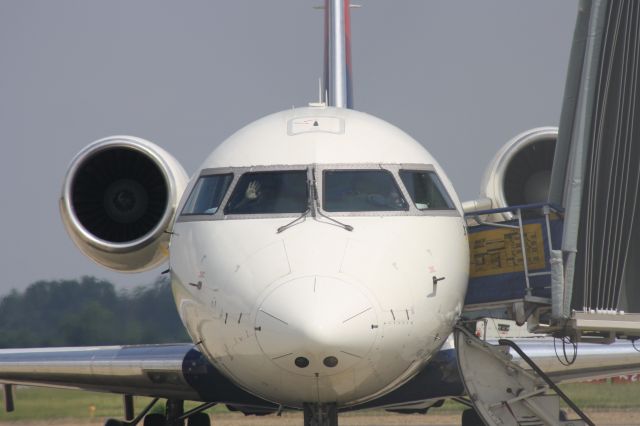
pixel 318 313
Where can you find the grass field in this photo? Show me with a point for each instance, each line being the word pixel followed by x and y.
pixel 49 404
pixel 33 403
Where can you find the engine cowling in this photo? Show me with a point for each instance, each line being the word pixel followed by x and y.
pixel 520 172
pixel 119 199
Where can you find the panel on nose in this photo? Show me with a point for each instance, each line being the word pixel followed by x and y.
pixel 316 324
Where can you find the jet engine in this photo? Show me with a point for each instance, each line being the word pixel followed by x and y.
pixel 118 202
pixel 520 173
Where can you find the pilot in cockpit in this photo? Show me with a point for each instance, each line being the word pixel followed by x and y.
pixel 253 196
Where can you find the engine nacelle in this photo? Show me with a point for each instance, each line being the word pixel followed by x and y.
pixel 520 173
pixel 119 199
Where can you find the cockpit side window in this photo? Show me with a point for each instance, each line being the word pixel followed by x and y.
pixel 270 192
pixel 207 194
pixel 426 190
pixel 361 191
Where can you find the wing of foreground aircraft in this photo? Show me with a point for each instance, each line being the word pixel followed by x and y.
pixel 181 372
pixel 177 372
pixel 164 371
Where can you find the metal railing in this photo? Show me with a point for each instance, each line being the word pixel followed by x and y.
pixel 517 213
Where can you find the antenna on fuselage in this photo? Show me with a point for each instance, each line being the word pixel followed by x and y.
pixel 337 53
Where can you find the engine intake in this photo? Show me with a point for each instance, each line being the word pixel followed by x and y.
pixel 118 199
pixel 520 173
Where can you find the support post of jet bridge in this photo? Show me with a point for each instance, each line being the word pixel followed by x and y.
pixel 502 392
pixel 8 398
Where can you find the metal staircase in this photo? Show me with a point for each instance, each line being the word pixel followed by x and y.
pixel 503 393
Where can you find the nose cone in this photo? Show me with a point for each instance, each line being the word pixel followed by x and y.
pixel 316 326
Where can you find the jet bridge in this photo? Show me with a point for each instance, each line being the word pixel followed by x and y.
pixel 570 267
pixel 596 178
pixel 573 264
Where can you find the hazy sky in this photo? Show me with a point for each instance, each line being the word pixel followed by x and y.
pixel 462 77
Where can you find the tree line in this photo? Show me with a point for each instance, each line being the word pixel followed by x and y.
pixel 89 311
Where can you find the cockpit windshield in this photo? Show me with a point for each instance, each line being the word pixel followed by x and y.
pixel 426 190
pixel 207 194
pixel 271 192
pixel 361 191
pixel 379 189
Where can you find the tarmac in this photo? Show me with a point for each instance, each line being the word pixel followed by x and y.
pixel 600 418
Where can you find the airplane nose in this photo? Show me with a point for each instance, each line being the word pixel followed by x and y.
pixel 316 325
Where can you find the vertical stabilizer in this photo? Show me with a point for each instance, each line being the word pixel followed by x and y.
pixel 337 54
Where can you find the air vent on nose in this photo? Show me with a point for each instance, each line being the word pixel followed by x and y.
pixel 301 362
pixel 330 361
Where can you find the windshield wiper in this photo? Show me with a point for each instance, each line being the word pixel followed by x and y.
pixel 303 216
pixel 313 207
pixel 316 204
pixel 295 221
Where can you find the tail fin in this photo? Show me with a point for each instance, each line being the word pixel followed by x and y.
pixel 337 54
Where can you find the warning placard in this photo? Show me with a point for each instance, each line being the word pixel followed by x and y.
pixel 498 250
